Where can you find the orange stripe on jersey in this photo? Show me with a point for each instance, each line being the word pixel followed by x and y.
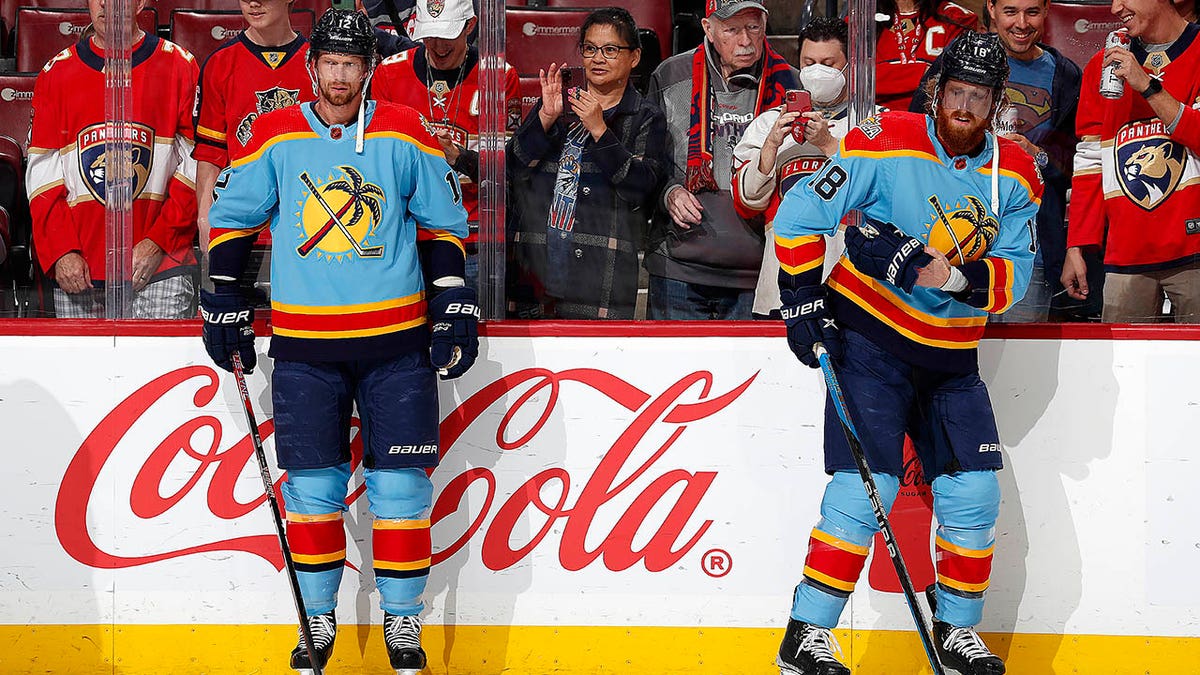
pixel 950 333
pixel 329 325
pixel 1001 275
pixel 441 235
pixel 436 152
pixel 220 235
pixel 212 134
pixel 800 254
pixel 271 142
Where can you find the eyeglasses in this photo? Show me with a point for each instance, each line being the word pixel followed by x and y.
pixel 588 51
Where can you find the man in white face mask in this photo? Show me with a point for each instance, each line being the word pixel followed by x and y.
pixel 768 160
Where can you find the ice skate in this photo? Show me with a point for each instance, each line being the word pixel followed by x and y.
pixel 962 649
pixel 324 629
pixel 402 636
pixel 809 650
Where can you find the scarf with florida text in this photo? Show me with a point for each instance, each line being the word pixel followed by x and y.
pixel 776 78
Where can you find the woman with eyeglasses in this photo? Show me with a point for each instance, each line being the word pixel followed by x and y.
pixel 583 170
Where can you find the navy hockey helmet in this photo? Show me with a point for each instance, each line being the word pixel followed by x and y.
pixel 343 31
pixel 977 58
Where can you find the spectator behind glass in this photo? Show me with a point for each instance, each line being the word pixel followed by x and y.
pixel 440 79
pixel 584 182
pixel 260 70
pixel 65 177
pixel 768 160
pixel 1043 96
pixel 1133 191
pixel 392 13
pixel 707 257
pixel 912 33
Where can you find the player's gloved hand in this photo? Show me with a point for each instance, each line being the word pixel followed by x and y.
pixel 808 322
pixel 455 343
pixel 882 251
pixel 228 326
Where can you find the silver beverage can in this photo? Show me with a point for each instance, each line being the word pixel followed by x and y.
pixel 1111 84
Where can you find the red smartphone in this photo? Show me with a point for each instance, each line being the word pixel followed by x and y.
pixel 572 77
pixel 801 102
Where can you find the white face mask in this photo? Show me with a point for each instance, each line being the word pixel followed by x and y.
pixel 823 82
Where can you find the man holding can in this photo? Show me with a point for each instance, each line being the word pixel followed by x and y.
pixel 1134 191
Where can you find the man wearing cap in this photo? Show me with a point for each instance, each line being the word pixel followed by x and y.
pixel 440 79
pixel 706 261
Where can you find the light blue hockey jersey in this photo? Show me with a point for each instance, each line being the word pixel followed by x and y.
pixel 346 278
pixel 893 169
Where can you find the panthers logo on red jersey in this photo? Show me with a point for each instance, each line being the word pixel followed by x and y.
pixel 1149 163
pixel 271 99
pixel 92 165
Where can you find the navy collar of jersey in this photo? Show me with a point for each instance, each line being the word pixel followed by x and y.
pixel 979 160
pixel 1177 48
pixel 289 50
pixel 323 128
pixel 96 62
pixel 450 77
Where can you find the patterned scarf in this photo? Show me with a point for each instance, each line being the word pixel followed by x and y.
pixel 776 78
pixel 560 223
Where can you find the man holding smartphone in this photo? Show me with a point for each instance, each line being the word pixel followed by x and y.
pixel 783 145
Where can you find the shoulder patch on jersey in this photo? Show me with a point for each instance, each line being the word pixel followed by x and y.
pixel 173 48
pixel 61 56
pixel 398 57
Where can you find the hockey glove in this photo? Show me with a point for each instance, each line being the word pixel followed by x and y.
pixel 882 251
pixel 808 322
pixel 455 343
pixel 228 326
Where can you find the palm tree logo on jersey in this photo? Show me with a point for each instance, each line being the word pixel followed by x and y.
pixel 323 216
pixel 963 233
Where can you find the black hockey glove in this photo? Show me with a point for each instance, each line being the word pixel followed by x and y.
pixel 882 251
pixel 808 322
pixel 455 343
pixel 228 326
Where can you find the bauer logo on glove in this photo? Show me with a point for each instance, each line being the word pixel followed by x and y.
pixel 454 343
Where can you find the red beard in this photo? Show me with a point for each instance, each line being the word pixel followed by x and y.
pixel 957 139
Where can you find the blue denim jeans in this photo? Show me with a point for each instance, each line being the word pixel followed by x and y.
pixel 673 300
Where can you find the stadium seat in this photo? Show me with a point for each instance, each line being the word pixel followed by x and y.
pixel 1078 29
pixel 43 32
pixel 202 31
pixel 16 94
pixel 539 37
pixel 531 93
pixel 655 15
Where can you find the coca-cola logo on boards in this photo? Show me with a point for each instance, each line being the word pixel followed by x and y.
pixel 676 534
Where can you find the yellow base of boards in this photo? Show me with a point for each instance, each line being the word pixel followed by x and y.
pixel 546 650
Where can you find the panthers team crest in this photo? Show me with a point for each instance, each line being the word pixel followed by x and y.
pixel 965 232
pixel 436 7
pixel 1149 163
pixel 271 99
pixel 339 215
pixel 93 162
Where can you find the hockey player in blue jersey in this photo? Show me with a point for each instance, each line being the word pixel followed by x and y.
pixel 368 302
pixel 952 210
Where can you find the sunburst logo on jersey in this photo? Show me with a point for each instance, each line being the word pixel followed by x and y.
pixel 93 165
pixel 1149 163
pixel 338 216
pixel 964 233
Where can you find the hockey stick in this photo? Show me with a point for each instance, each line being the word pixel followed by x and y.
pixel 269 487
pixel 885 527
pixel 362 251
pixel 307 247
pixel 962 259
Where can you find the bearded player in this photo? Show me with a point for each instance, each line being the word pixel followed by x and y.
pixel 367 301
pixel 948 238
